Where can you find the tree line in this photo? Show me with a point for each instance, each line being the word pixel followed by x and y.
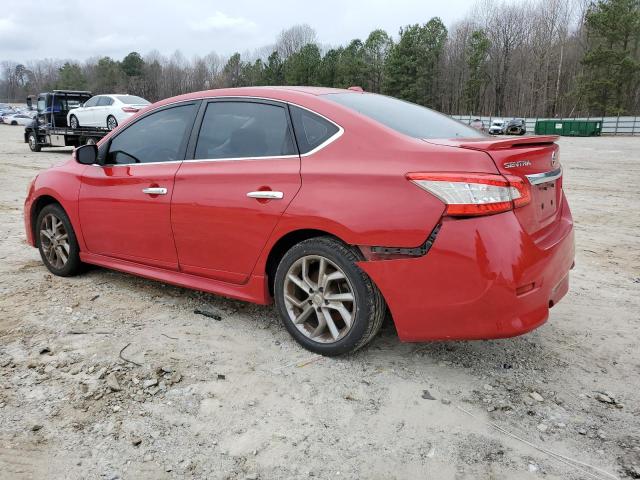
pixel 543 58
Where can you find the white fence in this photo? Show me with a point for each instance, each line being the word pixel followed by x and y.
pixel 610 125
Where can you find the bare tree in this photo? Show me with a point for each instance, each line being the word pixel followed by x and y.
pixel 291 40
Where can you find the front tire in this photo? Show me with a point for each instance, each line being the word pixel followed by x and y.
pixel 111 122
pixel 32 139
pixel 57 242
pixel 326 302
pixel 73 122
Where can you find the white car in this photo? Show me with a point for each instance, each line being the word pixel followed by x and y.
pixel 17 119
pixel 497 127
pixel 105 111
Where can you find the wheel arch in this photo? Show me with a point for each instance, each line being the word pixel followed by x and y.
pixel 284 243
pixel 37 206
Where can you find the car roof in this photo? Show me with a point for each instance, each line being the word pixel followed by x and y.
pixel 283 93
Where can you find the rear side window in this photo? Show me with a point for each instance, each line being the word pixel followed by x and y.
pixel 311 130
pixel 105 101
pixel 159 137
pixel 244 130
pixel 132 100
pixel 404 117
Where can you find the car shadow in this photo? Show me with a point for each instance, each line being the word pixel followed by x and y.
pixel 479 357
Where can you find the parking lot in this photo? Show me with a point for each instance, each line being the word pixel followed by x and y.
pixel 111 376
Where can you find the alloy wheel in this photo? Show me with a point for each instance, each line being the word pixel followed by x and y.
pixel 111 123
pixel 54 239
pixel 319 299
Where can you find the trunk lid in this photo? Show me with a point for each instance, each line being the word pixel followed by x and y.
pixel 536 161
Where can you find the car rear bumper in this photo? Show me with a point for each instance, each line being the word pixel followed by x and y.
pixel 472 284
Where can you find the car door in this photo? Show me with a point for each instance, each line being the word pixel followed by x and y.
pixel 84 114
pixel 244 171
pixel 124 203
pixel 101 111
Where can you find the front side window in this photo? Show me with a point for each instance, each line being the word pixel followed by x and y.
pixel 311 130
pixel 105 101
pixel 92 102
pixel 158 137
pixel 404 117
pixel 242 129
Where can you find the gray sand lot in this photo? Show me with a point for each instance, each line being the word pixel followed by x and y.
pixel 236 398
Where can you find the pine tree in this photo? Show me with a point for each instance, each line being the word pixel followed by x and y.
pixel 301 67
pixel 71 77
pixel 612 61
pixel 412 68
pixel 376 51
pixel 274 70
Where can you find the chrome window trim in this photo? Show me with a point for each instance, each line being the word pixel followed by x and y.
pixel 540 178
pixel 324 144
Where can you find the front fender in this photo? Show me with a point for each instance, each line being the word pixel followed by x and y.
pixel 59 184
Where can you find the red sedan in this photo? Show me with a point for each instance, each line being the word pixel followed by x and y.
pixel 337 205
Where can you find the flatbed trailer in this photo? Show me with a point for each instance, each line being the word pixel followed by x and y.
pixel 49 128
pixel 39 136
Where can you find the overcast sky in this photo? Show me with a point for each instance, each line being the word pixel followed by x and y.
pixel 79 29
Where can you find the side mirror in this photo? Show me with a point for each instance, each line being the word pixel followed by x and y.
pixel 87 154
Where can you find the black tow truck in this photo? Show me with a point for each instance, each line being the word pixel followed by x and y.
pixel 49 128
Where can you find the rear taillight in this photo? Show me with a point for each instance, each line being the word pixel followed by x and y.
pixel 130 109
pixel 473 194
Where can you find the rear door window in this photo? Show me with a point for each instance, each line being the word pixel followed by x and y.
pixel 105 101
pixel 158 137
pixel 311 129
pixel 243 129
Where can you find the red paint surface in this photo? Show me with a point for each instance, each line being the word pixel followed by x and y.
pixel 208 235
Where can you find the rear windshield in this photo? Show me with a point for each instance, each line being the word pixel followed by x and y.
pixel 404 117
pixel 132 100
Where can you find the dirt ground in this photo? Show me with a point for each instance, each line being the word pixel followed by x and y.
pixel 233 397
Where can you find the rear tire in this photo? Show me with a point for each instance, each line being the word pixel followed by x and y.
pixel 326 302
pixel 32 139
pixel 57 242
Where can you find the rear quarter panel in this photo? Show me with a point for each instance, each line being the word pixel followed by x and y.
pixel 356 187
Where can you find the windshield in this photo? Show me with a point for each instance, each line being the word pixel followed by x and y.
pixel 404 117
pixel 132 100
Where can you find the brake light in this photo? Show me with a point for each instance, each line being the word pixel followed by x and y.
pixel 130 109
pixel 474 194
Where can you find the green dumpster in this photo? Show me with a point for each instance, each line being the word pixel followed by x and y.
pixel 569 128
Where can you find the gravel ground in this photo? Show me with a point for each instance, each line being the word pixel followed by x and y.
pixel 232 396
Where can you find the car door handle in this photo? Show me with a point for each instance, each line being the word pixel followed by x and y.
pixel 155 191
pixel 266 195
